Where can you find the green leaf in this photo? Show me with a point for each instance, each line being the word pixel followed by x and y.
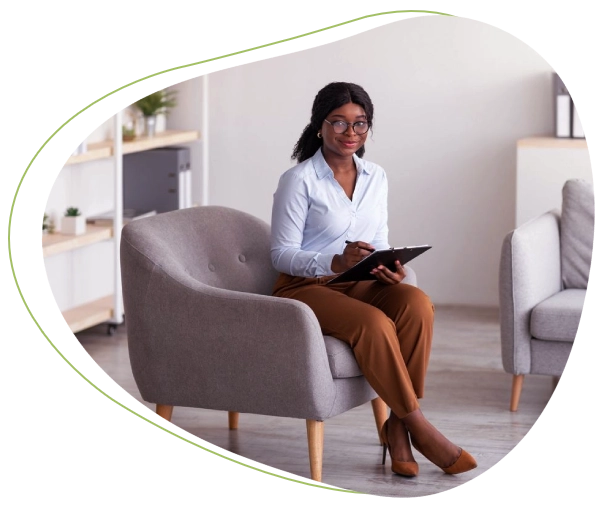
pixel 157 102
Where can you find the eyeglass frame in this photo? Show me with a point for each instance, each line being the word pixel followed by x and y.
pixel 349 125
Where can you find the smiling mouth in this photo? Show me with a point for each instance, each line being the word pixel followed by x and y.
pixel 349 144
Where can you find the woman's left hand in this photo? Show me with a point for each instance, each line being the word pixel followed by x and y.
pixel 384 275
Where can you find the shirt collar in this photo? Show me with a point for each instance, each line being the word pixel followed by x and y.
pixel 322 169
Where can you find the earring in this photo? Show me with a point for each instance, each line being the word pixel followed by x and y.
pixel 319 135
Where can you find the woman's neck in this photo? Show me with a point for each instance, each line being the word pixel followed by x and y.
pixel 339 164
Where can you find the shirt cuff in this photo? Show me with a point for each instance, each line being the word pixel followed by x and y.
pixel 324 265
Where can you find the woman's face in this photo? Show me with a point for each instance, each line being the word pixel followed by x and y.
pixel 347 143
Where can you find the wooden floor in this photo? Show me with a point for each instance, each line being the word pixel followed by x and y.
pixel 467 398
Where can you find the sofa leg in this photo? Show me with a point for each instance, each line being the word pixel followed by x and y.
pixel 315 431
pixel 380 411
pixel 234 418
pixel 165 411
pixel 517 385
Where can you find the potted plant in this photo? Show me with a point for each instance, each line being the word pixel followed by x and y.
pixel 73 222
pixel 156 103
pixel 45 224
pixel 129 129
pixel 128 132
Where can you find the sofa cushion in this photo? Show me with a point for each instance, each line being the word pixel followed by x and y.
pixel 576 233
pixel 557 318
pixel 341 358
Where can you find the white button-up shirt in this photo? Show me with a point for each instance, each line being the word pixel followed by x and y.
pixel 313 217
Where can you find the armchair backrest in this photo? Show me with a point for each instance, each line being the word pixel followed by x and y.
pixel 217 246
pixel 576 233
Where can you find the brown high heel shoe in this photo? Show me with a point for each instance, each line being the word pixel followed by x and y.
pixel 405 468
pixel 463 463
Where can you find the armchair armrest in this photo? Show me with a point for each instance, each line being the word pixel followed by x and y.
pixel 529 274
pixel 411 276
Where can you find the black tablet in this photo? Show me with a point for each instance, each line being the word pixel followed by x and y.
pixel 362 270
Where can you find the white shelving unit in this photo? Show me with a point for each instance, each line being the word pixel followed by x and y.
pixel 543 166
pixel 107 309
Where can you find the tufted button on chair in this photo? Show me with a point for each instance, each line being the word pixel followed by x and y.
pixel 204 331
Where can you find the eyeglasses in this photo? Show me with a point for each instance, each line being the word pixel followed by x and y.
pixel 359 127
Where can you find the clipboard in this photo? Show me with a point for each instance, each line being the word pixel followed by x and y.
pixel 362 270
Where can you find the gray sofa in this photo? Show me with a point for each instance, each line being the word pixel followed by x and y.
pixel 204 331
pixel 544 270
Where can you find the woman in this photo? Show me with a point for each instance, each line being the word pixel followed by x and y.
pixel 329 212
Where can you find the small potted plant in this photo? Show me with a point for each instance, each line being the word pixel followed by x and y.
pixel 73 222
pixel 128 132
pixel 45 224
pixel 44 228
pixel 154 104
pixel 130 115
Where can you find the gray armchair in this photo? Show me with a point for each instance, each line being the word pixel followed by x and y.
pixel 544 270
pixel 204 331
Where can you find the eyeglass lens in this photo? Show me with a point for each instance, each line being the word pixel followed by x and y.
pixel 360 127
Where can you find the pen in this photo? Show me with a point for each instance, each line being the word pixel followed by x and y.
pixel 367 249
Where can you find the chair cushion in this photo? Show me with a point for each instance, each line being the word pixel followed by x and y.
pixel 557 318
pixel 341 358
pixel 576 233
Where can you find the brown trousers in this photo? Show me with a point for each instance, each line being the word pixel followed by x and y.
pixel 388 327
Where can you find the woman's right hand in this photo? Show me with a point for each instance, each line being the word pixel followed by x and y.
pixel 353 253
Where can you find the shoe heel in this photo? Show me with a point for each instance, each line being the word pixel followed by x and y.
pixel 405 468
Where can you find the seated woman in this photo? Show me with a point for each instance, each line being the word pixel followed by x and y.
pixel 329 212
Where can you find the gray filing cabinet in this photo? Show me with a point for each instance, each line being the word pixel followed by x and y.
pixel 158 179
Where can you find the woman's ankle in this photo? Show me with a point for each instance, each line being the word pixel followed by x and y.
pixel 429 441
pixel 398 436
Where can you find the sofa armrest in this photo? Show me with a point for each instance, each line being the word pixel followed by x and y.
pixel 200 346
pixel 529 274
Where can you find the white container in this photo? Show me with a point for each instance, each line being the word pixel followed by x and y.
pixel 73 225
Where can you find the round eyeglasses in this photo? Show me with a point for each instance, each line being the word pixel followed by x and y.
pixel 359 127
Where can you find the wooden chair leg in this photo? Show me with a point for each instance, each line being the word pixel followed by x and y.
pixel 555 381
pixel 315 431
pixel 380 411
pixel 165 411
pixel 234 418
pixel 517 385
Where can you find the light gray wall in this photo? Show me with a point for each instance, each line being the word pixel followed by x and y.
pixel 451 96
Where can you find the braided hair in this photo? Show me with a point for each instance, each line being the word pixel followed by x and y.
pixel 330 97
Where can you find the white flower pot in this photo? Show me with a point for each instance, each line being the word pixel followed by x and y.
pixel 73 225
pixel 150 125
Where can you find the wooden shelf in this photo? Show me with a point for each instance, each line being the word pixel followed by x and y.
pixel 551 142
pixel 167 138
pixel 92 153
pixel 57 243
pixel 104 149
pixel 90 314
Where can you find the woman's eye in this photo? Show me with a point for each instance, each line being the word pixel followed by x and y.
pixel 340 124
